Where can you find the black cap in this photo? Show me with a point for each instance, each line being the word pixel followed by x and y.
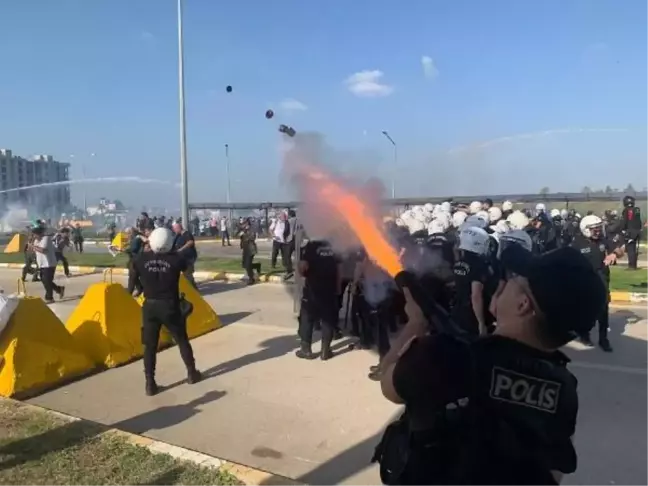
pixel 565 286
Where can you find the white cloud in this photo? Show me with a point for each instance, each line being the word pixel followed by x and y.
pixel 367 84
pixel 146 36
pixel 429 68
pixel 290 105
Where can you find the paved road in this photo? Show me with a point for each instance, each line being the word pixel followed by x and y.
pixel 319 422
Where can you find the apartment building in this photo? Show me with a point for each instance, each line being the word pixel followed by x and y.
pixel 17 172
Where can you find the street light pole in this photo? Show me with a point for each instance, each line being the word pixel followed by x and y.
pixel 227 171
pixel 184 204
pixel 393 179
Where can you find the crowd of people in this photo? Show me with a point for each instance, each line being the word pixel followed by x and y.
pixel 488 396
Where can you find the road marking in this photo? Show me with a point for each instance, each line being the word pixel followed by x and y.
pixel 606 367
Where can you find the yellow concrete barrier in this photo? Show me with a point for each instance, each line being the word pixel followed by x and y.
pixel 203 319
pixel 107 324
pixel 37 352
pixel 17 243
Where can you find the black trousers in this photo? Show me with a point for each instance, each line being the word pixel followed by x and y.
pixel 248 264
pixel 312 312
pixel 158 313
pixel 60 257
pixel 78 245
pixel 47 277
pixel 225 236
pixel 633 254
pixel 30 269
pixel 287 249
pixel 132 281
pixel 372 322
pixel 604 322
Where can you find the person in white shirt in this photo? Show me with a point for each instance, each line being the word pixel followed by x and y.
pixel 46 260
pixel 224 231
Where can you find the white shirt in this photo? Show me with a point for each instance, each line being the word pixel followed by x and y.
pixel 223 225
pixel 278 230
pixel 47 259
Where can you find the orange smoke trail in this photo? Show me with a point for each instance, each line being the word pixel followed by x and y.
pixel 358 218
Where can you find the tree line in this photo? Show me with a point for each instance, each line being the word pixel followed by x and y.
pixel 629 189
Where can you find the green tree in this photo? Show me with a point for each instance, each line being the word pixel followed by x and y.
pixel 586 190
pixel 544 191
pixel 629 188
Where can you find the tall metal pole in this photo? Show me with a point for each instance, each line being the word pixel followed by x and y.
pixel 227 171
pixel 393 179
pixel 183 132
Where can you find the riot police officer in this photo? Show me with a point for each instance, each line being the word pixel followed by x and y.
pixel 600 252
pixel 159 272
pixel 501 409
pixel 631 229
pixel 322 272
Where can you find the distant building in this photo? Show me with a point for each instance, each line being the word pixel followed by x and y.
pixel 17 172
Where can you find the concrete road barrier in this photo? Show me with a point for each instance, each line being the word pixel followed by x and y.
pixel 37 352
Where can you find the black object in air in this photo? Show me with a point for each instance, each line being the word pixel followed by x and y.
pixel 269 114
pixel 228 89
pixel 290 131
pixel 437 317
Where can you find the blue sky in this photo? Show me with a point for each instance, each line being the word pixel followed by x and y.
pixel 100 76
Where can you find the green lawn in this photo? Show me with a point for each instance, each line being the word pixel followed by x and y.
pixel 205 263
pixel 41 448
pixel 628 280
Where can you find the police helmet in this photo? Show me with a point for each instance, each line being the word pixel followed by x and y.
pixel 628 201
pixel 590 223
pixel 516 237
pixel 161 240
pixel 474 240
pixel 518 220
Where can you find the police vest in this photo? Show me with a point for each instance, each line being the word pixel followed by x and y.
pixel 512 426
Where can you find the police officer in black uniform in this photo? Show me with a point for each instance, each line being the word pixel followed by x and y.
pixel 600 252
pixel 503 408
pixel 159 272
pixel 322 272
pixel 631 230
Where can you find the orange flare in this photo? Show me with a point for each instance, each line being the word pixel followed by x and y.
pixel 355 213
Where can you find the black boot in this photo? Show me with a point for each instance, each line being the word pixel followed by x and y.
pixel 305 352
pixel 326 352
pixel 193 376
pixel 586 340
pixel 605 345
pixel 151 386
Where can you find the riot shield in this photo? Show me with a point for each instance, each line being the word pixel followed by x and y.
pixel 299 279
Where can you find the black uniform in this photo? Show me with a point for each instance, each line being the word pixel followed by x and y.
pixel 505 414
pixel 159 275
pixel 596 251
pixel 320 297
pixel 631 228
pixel 495 410
pixel 61 241
pixel 468 269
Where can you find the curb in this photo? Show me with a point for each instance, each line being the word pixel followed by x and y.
pixel 628 298
pixel 247 475
pixel 219 276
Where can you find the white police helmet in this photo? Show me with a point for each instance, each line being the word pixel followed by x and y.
pixel 474 240
pixel 415 225
pixel 518 220
pixel 445 219
pixel 555 213
pixel 475 220
pixel 475 206
pixel 446 207
pixel 436 226
pixel 588 223
pixel 540 208
pixel 400 222
pixel 484 215
pixel 429 207
pixel 161 240
pixel 507 206
pixel 494 213
pixel 501 226
pixel 516 237
pixel 458 218
pixel 564 213
pixel 407 215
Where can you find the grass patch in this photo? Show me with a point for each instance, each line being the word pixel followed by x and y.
pixel 204 263
pixel 41 448
pixel 625 280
